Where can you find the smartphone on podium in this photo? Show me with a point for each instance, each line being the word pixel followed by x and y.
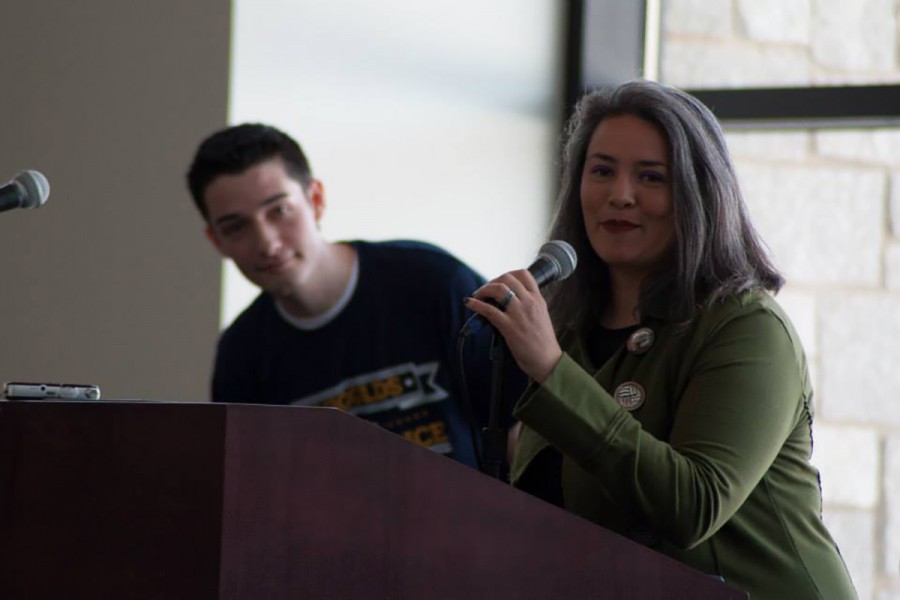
pixel 20 390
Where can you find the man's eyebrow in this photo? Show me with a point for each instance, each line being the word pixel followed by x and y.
pixel 230 217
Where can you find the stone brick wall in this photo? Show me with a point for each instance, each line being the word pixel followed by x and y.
pixel 828 204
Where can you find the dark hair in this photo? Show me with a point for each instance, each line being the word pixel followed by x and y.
pixel 717 251
pixel 235 149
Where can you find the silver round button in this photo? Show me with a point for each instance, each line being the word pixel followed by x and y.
pixel 630 395
pixel 640 341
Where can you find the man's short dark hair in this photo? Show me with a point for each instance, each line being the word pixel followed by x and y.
pixel 235 149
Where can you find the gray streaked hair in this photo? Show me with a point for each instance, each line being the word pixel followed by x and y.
pixel 717 251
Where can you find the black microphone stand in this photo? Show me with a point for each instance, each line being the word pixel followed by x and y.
pixel 494 435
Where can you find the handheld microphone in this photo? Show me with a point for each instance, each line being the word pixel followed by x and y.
pixel 29 189
pixel 556 260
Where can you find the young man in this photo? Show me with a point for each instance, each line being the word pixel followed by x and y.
pixel 370 328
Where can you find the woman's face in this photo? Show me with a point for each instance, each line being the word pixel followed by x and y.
pixel 626 196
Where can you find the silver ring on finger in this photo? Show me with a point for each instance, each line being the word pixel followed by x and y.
pixel 507 299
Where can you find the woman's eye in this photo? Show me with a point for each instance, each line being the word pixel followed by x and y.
pixel 653 177
pixel 601 170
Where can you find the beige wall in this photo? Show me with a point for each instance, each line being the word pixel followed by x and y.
pixel 111 281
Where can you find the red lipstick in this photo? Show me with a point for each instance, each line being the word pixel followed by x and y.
pixel 617 226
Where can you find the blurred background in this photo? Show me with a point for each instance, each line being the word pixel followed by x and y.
pixel 433 120
pixel 439 121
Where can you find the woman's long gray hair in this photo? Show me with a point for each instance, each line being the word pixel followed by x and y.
pixel 717 250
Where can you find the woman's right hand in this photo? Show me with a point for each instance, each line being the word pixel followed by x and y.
pixel 522 319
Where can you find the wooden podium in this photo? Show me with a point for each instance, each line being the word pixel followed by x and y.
pixel 171 500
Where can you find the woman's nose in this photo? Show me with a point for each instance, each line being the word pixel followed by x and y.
pixel 621 194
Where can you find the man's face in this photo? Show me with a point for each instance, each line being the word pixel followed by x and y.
pixel 265 222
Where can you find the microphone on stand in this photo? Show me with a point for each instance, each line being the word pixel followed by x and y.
pixel 29 189
pixel 556 260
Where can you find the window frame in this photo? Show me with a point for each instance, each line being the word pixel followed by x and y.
pixel 622 58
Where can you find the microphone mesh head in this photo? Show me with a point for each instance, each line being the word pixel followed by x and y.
pixel 36 186
pixel 562 254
